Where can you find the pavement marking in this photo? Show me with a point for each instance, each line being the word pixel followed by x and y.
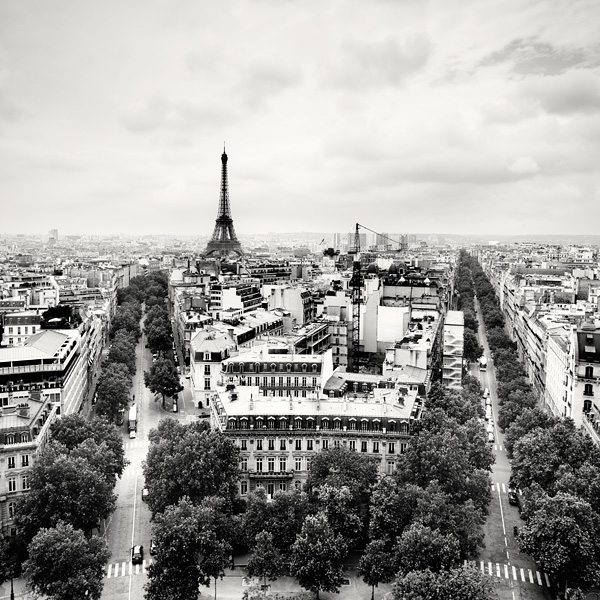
pixel 506 572
pixel 482 566
pixel 490 568
pixel 514 573
pixel 539 578
pixel 522 574
pixel 547 580
pixel 530 576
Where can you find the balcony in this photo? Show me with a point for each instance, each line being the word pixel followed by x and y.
pixel 270 474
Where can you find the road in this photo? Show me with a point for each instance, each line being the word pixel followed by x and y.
pixel 515 572
pixel 130 522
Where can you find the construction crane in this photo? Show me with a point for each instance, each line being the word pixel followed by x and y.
pixel 356 286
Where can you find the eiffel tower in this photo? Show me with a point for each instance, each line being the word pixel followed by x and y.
pixel 223 240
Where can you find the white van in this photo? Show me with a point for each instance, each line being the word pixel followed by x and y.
pixel 486 393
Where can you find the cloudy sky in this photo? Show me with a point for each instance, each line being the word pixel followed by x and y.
pixel 447 116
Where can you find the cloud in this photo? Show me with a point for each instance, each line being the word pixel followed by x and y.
pixel 524 165
pixel 157 113
pixel 531 57
pixel 381 63
pixel 260 82
pixel 577 91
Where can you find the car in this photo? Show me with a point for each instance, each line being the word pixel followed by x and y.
pixel 178 370
pixel 187 375
pixel 137 555
pixel 513 499
pixel 145 494
pixel 132 434
pixel 486 392
pixel 152 547
pixel 490 437
pixel 175 407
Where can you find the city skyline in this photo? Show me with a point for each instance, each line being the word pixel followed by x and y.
pixel 455 117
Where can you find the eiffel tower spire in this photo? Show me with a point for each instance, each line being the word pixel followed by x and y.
pixel 224 240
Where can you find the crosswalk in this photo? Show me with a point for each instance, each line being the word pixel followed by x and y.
pixel 135 444
pixel 122 569
pixel 501 487
pixel 505 571
pixel 498 447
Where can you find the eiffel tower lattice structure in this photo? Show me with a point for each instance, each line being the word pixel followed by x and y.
pixel 223 240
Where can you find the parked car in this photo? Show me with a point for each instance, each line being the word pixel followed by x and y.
pixel 132 434
pixel 145 494
pixel 513 499
pixel 137 555
pixel 486 392
pixel 491 437
pixel 175 407
pixel 152 547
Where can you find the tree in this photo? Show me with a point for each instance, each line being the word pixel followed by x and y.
pixel 74 432
pixel 421 547
pixel 256 517
pixel 163 378
pixel 6 562
pixel 376 565
pixel 318 556
pixel 190 551
pixel 562 536
pixel 343 518
pixel 460 583
pixel 343 467
pixel 393 504
pixel 160 335
pixel 76 566
pixel 64 488
pixel 266 561
pixel 287 512
pixel 123 350
pixel 528 420
pixel 187 460
pixel 472 350
pixel 113 391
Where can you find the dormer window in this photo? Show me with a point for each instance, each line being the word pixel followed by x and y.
pixel 304 367
pixel 288 367
pixel 273 367
pixel 314 368
pixel 207 356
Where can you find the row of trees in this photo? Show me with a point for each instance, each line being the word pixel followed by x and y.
pixel 73 478
pixel 556 466
pixel 71 493
pixel 415 527
pixel 514 391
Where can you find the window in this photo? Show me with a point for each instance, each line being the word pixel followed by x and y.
pixel 352 425
pixel 207 369
pixel 589 372
pixel 207 383
pixel 304 382
pixel 10 330
pixel 309 445
pixel 303 393
pixel 271 444
pixel 402 448
pixel 353 445
pixel 298 444
pixel 273 381
pixel 243 488
pixel 259 465
pixel 337 424
pixel 336 444
pixel 271 463
pixel 18 331
pixel 265 381
pixel 12 484
pixel 10 438
pixel 26 330
pixel 207 356
pixel 314 382
pixel 296 380
pixel 375 426
pixel 375 446
pixel 282 444
pixel 363 446
pixel 298 463
pixel 25 460
pixel 271 423
pixel 308 464
pixel 11 462
pixel 390 467
pixel 11 509
pixel 391 447
pixel 288 382
pixel 364 425
pixel 588 390
pixel 392 426
pixel 244 464
pixel 325 424
pixel 283 464
pixel 282 486
pixel 273 367
pixel 24 437
pixel 325 444
pixel 259 444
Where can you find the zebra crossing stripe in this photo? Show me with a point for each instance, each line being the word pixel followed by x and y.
pixel 514 573
pixel 505 571
pixel 482 567
pixel 530 576
pixel 498 570
pixel 547 580
pixel 108 570
pixel 539 578
pixel 490 568
pixel 522 574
